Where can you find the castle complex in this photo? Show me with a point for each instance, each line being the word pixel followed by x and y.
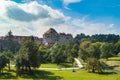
pixel 49 37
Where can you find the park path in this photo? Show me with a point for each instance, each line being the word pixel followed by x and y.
pixel 77 61
pixel 71 68
pixel 59 68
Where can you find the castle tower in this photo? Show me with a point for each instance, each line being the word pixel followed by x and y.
pixel 50 36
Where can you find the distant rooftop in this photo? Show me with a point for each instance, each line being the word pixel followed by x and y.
pixel 51 30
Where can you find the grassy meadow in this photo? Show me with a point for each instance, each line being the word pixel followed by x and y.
pixel 64 75
pixel 80 74
pixel 51 65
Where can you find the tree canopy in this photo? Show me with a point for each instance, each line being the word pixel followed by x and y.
pixel 28 55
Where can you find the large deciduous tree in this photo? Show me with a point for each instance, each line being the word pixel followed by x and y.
pixel 106 50
pixel 94 50
pixel 83 54
pixel 28 55
pixel 93 62
pixel 57 53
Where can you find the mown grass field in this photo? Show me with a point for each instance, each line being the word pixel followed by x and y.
pixel 64 75
pixel 114 62
pixel 80 74
pixel 51 65
pixel 114 59
pixel 69 75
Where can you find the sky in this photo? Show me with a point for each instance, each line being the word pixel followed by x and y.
pixel 34 17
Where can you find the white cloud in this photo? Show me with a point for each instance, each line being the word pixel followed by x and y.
pixel 93 28
pixel 29 18
pixel 34 19
pixel 67 2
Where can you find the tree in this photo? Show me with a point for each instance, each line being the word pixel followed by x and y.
pixel 17 65
pixel 71 51
pixel 81 36
pixel 43 54
pixel 1 47
pixel 111 38
pixel 10 41
pixel 106 50
pixel 12 45
pixel 9 56
pixel 94 50
pixel 83 54
pixel 57 53
pixel 3 61
pixel 28 55
pixel 93 62
pixel 117 47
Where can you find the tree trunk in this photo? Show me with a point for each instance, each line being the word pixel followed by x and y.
pixel 9 65
pixel 106 59
pixel 29 68
pixel 2 70
pixel 73 66
pixel 93 70
pixel 26 68
pixel 22 68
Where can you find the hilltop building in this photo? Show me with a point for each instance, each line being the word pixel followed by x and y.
pixel 51 37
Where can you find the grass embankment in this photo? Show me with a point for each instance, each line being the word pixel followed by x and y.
pixel 114 62
pixel 114 59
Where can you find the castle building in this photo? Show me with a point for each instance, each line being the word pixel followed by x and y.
pixel 19 39
pixel 51 37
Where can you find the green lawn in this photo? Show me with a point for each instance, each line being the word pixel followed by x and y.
pixel 60 75
pixel 84 75
pixel 114 59
pixel 80 74
pixel 114 62
pixel 52 65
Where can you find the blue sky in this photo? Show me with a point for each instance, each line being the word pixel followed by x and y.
pixel 34 17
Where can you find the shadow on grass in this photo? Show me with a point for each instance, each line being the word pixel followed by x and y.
pixel 40 74
pixel 36 75
pixel 65 64
pixel 7 75
pixel 106 73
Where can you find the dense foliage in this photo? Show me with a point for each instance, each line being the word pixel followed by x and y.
pixel 3 61
pixel 63 53
pixel 28 55
pixel 110 38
